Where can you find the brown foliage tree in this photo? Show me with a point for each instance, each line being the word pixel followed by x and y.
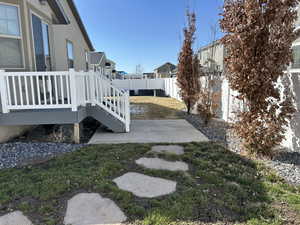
pixel 188 67
pixel 258 45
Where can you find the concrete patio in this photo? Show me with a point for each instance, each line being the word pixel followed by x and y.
pixel 152 131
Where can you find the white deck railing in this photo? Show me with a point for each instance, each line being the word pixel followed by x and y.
pixel 67 89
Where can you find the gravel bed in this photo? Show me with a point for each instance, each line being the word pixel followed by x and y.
pixel 20 154
pixel 285 163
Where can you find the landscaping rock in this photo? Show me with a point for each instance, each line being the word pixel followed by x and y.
pixel 20 154
pixel 160 164
pixel 169 149
pixel 86 209
pixel 145 186
pixel 14 218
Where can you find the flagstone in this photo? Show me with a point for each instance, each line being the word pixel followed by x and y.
pixel 145 186
pixel 91 208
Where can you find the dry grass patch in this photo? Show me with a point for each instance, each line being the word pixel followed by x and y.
pixel 145 107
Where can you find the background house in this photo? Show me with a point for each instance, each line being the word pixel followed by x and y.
pixel 41 35
pixel 97 61
pixel 211 56
pixel 110 69
pixel 165 71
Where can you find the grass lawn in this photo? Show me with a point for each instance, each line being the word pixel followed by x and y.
pixel 156 108
pixel 220 188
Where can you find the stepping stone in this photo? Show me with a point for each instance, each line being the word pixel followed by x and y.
pixel 161 164
pixel 14 218
pixel 145 186
pixel 169 149
pixel 86 209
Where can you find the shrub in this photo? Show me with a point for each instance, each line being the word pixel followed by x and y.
pixel 258 46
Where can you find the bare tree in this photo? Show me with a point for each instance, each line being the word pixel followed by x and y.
pixel 188 76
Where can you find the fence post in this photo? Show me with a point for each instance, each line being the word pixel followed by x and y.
pixel 3 90
pixel 72 75
pixel 127 111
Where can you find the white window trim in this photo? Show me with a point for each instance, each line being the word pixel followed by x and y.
pixel 16 37
pixel 33 44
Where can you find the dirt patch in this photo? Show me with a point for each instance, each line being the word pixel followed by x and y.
pixel 60 133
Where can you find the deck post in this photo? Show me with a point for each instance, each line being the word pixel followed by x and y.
pixel 154 92
pixel 92 90
pixel 127 111
pixel 3 90
pixel 72 75
pixel 77 133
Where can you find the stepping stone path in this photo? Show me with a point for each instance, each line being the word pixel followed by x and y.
pixel 86 209
pixel 14 218
pixel 169 149
pixel 145 186
pixel 161 164
pixel 91 208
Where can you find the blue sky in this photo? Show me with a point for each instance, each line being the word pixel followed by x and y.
pixel 145 32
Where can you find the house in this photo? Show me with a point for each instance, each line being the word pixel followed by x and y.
pixel 40 37
pixel 211 56
pixel 149 75
pixel 97 61
pixel 165 71
pixel 110 69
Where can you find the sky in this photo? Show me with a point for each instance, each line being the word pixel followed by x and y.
pixel 146 32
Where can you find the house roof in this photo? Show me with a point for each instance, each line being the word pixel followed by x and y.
pixel 212 44
pixel 80 23
pixel 97 57
pixel 167 67
pixel 58 11
pixel 63 19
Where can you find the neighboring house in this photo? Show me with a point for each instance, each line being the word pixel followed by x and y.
pixel 212 56
pixel 120 75
pixel 97 61
pixel 149 75
pixel 110 69
pixel 41 35
pixel 165 71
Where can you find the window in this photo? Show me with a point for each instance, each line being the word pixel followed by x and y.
pixel 296 54
pixel 10 38
pixel 41 44
pixel 70 50
pixel 45 30
pixel 87 60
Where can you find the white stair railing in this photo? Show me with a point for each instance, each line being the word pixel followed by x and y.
pixel 110 98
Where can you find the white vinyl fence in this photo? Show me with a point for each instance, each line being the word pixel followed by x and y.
pixel 169 85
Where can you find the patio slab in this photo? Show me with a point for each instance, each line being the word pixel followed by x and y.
pixel 152 131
